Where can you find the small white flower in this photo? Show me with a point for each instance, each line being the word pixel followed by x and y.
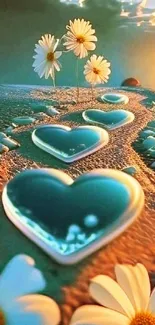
pixel 126 302
pixel 46 57
pixel 19 279
pixel 97 70
pixel 80 38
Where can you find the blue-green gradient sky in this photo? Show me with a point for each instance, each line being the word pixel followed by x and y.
pixel 130 49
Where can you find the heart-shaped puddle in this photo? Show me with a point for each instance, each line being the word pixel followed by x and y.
pixel 71 219
pixel 69 144
pixel 114 98
pixel 110 120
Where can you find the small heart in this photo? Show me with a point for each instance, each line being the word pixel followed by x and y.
pixel 114 98
pixel 71 219
pixel 110 120
pixel 69 144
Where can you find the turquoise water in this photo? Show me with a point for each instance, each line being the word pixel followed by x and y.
pixel 106 118
pixel 55 206
pixel 68 143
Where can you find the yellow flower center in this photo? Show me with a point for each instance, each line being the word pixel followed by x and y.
pixel 2 318
pixel 80 39
pixel 96 71
pixel 143 319
pixel 50 56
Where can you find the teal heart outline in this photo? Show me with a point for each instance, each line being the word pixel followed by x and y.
pixel 104 139
pixel 127 120
pixel 39 237
pixel 124 100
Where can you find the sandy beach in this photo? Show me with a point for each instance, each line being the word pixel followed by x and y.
pixel 69 285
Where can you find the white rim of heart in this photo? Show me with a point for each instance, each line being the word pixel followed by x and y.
pixel 124 100
pixel 127 218
pixel 104 139
pixel 127 120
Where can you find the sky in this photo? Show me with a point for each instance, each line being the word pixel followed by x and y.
pixel 129 48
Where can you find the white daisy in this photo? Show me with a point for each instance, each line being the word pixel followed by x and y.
pixel 80 38
pixel 126 302
pixel 46 57
pixel 19 279
pixel 97 70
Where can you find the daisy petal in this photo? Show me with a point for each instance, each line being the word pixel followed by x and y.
pixel 131 278
pixel 91 314
pixel 57 54
pixel 151 306
pixel 20 277
pixel 90 46
pixel 80 37
pixel 98 316
pixel 108 293
pixel 34 309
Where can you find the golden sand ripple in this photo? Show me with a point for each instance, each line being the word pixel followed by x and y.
pixel 137 244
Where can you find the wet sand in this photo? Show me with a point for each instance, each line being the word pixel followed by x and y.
pixel 137 244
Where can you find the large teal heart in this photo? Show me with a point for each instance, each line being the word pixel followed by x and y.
pixel 69 144
pixel 114 98
pixel 71 219
pixel 110 120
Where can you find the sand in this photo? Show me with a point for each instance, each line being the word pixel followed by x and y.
pixel 69 284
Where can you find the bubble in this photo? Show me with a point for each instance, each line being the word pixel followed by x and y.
pixel 81 237
pixel 91 221
pixel 70 237
pixel 75 229
pixel 72 150
pixel 82 146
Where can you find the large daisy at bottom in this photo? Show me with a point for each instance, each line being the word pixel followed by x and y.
pixel 126 302
pixel 18 306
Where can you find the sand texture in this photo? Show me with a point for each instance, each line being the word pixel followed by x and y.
pixel 69 284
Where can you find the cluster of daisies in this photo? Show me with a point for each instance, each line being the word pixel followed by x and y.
pixel 126 302
pixel 80 39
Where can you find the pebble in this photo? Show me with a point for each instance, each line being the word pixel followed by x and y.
pixel 10 143
pixel 51 111
pixel 39 116
pixel 151 152
pixel 152 124
pixel 2 135
pixel 9 130
pixel 131 170
pixel 23 120
pixel 145 134
pixel 38 107
pixel 149 142
pixel 153 165
pixel 3 148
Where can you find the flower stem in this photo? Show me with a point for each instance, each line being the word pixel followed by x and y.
pixel 92 92
pixel 77 77
pixel 54 85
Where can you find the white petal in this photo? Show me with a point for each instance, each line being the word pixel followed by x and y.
pixel 34 310
pixel 107 292
pixel 56 45
pixel 135 283
pixel 89 46
pixel 96 315
pixel 57 65
pixel 57 54
pixel 151 306
pixel 20 277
